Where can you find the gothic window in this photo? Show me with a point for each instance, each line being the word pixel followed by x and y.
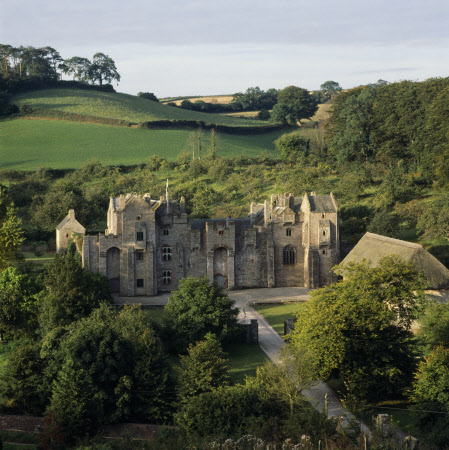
pixel 166 253
pixel 166 232
pixel 139 236
pixel 220 232
pixel 140 282
pixel 166 277
pixel 139 255
pixel 288 232
pixel 289 255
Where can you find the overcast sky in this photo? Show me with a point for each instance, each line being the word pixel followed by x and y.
pixel 190 47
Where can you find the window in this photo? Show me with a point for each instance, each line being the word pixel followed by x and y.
pixel 139 255
pixel 324 233
pixel 67 235
pixel 288 232
pixel 323 252
pixel 166 232
pixel 166 277
pixel 140 282
pixel 166 253
pixel 139 217
pixel 323 216
pixel 289 255
pixel 139 236
pixel 220 232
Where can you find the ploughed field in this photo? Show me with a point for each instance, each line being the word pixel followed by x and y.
pixel 27 144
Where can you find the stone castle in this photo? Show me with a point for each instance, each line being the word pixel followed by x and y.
pixel 150 245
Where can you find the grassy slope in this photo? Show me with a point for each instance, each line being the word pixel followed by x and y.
pixel 30 144
pixel 118 106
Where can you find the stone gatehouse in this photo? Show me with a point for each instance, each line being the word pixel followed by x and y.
pixel 151 244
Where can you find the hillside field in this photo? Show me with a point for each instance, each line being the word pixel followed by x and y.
pixel 30 144
pixel 118 106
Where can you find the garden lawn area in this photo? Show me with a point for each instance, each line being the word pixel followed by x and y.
pixel 38 261
pixel 28 144
pixel 244 359
pixel 118 106
pixel 277 313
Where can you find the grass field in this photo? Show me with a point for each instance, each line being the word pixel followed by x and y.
pixel 118 106
pixel 275 314
pixel 244 359
pixel 30 144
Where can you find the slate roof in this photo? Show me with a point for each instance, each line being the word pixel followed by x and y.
pixel 373 247
pixel 67 219
pixel 322 203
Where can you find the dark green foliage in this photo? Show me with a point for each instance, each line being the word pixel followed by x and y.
pixel 385 223
pixel 255 99
pixel 70 293
pixel 18 303
pixel 434 326
pixel 263 114
pixel 434 220
pixel 198 308
pixel 296 104
pixel 148 96
pixel 203 369
pixel 329 89
pixel 354 219
pixel 21 382
pixel 431 393
pixel 292 147
pixel 359 328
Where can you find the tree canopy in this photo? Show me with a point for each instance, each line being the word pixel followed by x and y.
pixel 293 104
pixel 359 328
pixel 198 308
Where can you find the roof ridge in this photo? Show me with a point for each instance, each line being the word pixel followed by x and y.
pixel 392 240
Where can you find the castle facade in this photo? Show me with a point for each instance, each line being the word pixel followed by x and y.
pixel 150 245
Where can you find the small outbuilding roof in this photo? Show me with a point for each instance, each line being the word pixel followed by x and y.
pixel 373 247
pixel 70 217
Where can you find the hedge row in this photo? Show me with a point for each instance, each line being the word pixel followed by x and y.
pixel 26 110
pixel 15 85
pixel 209 126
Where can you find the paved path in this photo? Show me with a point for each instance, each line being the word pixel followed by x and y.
pixel 270 341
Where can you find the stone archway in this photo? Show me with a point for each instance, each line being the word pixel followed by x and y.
pixel 113 268
pixel 221 266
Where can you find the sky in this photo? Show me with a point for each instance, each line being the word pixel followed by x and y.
pixel 206 47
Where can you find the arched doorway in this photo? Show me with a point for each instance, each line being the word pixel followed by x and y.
pixel 221 266
pixel 113 268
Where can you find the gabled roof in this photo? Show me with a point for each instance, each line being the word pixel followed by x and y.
pixel 373 247
pixel 69 218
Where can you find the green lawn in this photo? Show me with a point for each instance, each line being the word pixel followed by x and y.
pixel 244 359
pixel 118 106
pixel 30 144
pixel 275 314
pixel 38 261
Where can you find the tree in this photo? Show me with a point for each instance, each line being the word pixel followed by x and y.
pixel 431 394
pixel 21 381
pixel 300 102
pixel 434 220
pixel 203 369
pixel 103 69
pixel 78 67
pixel 198 308
pixel 291 147
pixel 359 328
pixel 70 292
pixel 18 303
pixel 434 326
pixel 11 236
pixel 330 89
pixel 148 96
pixel 289 377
